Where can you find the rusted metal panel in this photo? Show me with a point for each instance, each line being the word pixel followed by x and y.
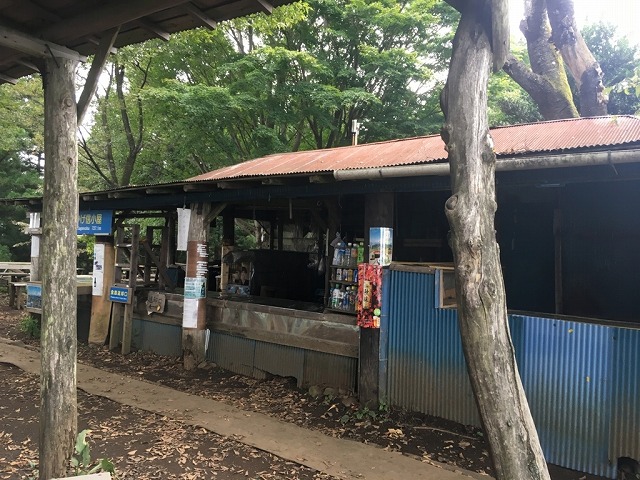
pixel 557 136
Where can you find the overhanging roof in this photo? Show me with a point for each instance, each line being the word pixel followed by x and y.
pixel 609 140
pixel 31 28
pixel 556 136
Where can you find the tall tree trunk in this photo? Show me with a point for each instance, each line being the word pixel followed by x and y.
pixel 58 404
pixel 584 68
pixel 546 80
pixel 482 311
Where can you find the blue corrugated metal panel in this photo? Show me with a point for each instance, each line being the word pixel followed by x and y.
pixel 327 369
pixel 566 378
pixel 426 369
pixel 280 360
pixel 625 424
pixel 582 380
pixel 156 337
pixel 233 353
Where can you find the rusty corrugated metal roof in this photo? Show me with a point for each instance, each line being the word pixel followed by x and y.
pixel 526 139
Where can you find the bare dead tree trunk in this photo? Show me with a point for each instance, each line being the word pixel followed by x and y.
pixel 482 311
pixel 584 68
pixel 58 404
pixel 546 80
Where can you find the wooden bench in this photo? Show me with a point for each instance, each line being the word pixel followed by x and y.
pixel 17 295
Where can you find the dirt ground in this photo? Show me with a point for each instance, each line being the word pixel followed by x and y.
pixel 144 445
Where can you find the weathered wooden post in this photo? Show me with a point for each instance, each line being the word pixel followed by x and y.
pixel 194 316
pixel 58 404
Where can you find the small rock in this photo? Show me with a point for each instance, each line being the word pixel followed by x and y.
pixel 203 365
pixel 349 401
pixel 329 392
pixel 315 391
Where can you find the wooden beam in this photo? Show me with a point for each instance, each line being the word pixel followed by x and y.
pixel 265 6
pixel 153 28
pixel 109 15
pixel 31 66
pixel 7 79
pixel 97 67
pixel 199 187
pixel 215 211
pixel 22 42
pixel 202 17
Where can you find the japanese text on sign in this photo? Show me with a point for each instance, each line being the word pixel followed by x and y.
pixel 95 222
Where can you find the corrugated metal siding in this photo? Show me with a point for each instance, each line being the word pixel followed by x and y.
pixel 333 370
pixel 156 337
pixel 257 359
pixel 566 379
pixel 552 136
pixel 625 424
pixel 582 380
pixel 233 353
pixel 426 368
pixel 280 360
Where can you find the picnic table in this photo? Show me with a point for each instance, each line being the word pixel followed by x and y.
pixel 15 274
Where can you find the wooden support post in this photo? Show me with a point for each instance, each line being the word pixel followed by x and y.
pixel 378 212
pixel 127 322
pixel 194 316
pixel 557 235
pixel 100 303
pixel 171 243
pixel 164 255
pixel 280 232
pixel 228 242
pixel 58 401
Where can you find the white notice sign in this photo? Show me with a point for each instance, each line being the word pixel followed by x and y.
pixel 190 313
pixel 98 270
pixel 184 218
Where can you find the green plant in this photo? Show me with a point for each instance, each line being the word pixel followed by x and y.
pixel 81 460
pixel 30 326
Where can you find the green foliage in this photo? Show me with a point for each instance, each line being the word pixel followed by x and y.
pixel 366 413
pixel 261 84
pixel 620 64
pixel 81 460
pixel 30 326
pixel 21 150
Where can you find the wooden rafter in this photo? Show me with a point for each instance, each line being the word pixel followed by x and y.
pixel 153 28
pixel 108 15
pixel 36 47
pixel 97 66
pixel 201 16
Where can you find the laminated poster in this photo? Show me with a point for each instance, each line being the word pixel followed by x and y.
pixel 190 313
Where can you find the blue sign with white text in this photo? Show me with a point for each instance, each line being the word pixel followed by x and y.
pixel 120 294
pixel 95 222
